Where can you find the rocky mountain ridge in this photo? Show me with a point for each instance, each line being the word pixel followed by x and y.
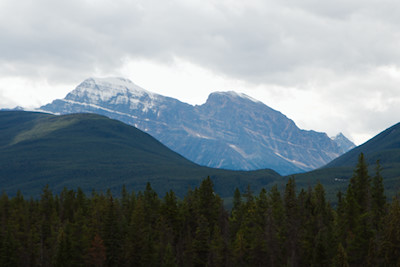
pixel 230 130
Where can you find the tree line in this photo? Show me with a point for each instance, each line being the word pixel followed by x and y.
pixel 287 227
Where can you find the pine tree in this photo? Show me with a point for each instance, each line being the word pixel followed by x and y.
pixel 259 247
pixel 170 213
pixel 64 252
pixel 201 242
pixel 361 184
pixel 48 224
pixel 391 235
pixel 309 225
pixel 358 215
pixel 208 205
pixel 378 199
pixel 126 205
pixel 189 218
pixel 340 259
pixel 8 247
pixel 96 256
pixel 324 250
pixel 237 200
pixel 217 248
pixel 276 229
pixel 240 248
pixel 292 220
pixel 112 234
pixel 169 257
pixel 237 213
pixel 151 204
pixel 80 237
pixel 67 205
pixel 138 234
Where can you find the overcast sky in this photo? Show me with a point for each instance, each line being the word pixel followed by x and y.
pixel 330 66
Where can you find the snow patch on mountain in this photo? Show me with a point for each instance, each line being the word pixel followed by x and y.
pixel 295 162
pixel 240 151
pixel 234 94
pixel 196 134
pixel 114 90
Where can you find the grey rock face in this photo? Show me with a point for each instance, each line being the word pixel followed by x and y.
pixel 231 131
pixel 343 142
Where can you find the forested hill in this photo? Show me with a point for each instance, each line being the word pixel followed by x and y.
pixel 96 153
pixel 384 147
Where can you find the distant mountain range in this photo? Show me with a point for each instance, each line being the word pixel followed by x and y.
pixel 230 131
pixel 94 152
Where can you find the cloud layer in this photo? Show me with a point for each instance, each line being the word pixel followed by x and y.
pixel 345 54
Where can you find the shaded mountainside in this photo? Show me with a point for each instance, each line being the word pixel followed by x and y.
pixel 95 152
pixel 230 131
pixel 384 147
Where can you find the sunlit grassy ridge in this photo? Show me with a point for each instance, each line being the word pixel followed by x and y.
pixel 44 127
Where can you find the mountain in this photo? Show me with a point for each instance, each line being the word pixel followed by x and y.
pixel 229 131
pixel 384 147
pixel 94 152
pixel 343 142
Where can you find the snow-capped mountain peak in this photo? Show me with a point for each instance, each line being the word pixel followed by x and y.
pixel 233 95
pixel 97 90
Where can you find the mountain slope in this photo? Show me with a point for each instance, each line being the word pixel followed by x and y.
pixel 384 147
pixel 94 152
pixel 231 131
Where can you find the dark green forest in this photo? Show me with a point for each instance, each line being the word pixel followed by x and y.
pixel 280 227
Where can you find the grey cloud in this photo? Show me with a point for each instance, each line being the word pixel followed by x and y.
pixel 6 102
pixel 261 42
pixel 336 49
pixel 360 104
